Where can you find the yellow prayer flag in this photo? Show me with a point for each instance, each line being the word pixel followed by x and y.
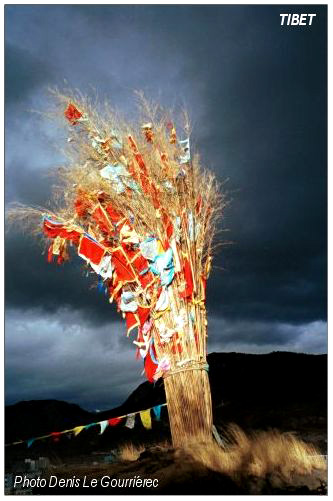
pixel 146 419
pixel 160 249
pixel 77 430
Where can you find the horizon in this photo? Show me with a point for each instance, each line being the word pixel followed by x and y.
pixel 94 410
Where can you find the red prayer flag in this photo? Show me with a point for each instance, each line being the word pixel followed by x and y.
pixel 50 253
pixel 52 229
pixel 143 314
pixel 188 278
pixel 82 204
pixel 72 114
pixel 102 221
pixel 114 215
pixel 150 368
pixel 56 435
pixel 131 321
pixel 90 250
pixel 114 421
pixel 123 268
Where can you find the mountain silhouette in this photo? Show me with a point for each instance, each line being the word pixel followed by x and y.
pixel 281 389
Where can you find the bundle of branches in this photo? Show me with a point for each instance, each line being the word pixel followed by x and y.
pixel 142 213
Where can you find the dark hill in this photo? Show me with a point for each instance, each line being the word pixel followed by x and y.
pixel 281 389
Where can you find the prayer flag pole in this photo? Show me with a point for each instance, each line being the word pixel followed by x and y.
pixel 142 213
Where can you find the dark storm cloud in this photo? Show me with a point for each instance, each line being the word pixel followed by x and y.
pixel 24 73
pixel 51 287
pixel 263 336
pixel 64 350
pixel 257 95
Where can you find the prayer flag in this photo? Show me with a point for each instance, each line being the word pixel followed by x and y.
pixel 77 430
pixel 186 157
pixel 114 421
pixel 157 412
pixel 30 442
pixel 72 114
pixel 130 421
pixel 87 426
pixel 103 425
pixel 90 250
pixel 146 419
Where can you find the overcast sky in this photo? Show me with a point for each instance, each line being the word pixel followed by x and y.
pixel 256 92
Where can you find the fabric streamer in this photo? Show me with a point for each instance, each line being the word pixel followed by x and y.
pixel 150 367
pixel 163 265
pixel 149 249
pixel 152 352
pixel 146 419
pixel 78 430
pixel 114 421
pixel 187 292
pixel 87 426
pixel 164 365
pixel 163 300
pixel 130 421
pixel 128 235
pixel 119 177
pixel 186 157
pixel 157 412
pixel 72 114
pixel 193 228
pixel 55 435
pixel 165 333
pixel 103 425
pixel 116 141
pixel 128 302
pixel 104 268
pixel 90 250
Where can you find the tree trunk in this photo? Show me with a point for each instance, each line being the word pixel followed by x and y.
pixel 189 406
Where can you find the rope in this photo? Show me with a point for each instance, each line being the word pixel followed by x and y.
pixel 194 366
pixel 84 426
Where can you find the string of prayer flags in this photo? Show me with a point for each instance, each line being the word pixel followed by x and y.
pixel 146 419
pixel 103 425
pixel 130 422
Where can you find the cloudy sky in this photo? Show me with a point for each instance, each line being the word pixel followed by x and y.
pixel 256 92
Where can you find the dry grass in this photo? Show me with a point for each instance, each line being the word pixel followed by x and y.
pixel 259 454
pixel 130 452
